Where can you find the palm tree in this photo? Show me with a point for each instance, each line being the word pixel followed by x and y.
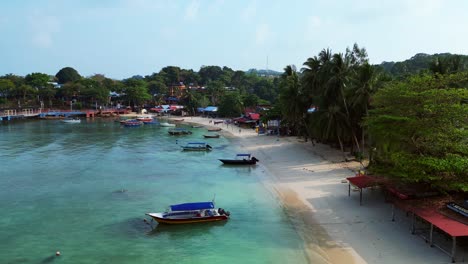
pixel 365 84
pixel 291 99
pixel 335 123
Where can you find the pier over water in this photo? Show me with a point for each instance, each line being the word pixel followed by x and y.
pixel 10 114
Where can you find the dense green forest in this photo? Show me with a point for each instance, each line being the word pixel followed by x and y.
pixel 409 119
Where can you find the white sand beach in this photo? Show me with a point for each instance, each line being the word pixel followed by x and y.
pixel 308 180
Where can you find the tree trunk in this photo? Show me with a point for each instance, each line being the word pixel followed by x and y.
pixel 341 147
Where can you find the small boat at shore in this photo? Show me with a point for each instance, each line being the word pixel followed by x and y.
pixel 197 126
pixel 178 120
pixel 187 213
pixel 196 146
pixel 166 124
pixel 144 118
pixel 132 123
pixel 152 122
pixel 71 120
pixel 179 131
pixel 214 129
pixel 241 159
pixel 211 136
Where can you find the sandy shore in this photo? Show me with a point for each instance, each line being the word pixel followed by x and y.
pixel 308 180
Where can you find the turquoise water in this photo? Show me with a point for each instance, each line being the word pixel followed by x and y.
pixel 61 190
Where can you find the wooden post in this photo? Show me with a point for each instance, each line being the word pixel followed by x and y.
pixel 349 189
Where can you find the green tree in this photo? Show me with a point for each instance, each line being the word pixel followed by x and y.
pixel 6 87
pixel 24 90
pixel 209 74
pixel 37 80
pixel 291 101
pixel 67 74
pixel 157 89
pixel 136 91
pixel 230 105
pixel 250 100
pixel 215 90
pixel 420 131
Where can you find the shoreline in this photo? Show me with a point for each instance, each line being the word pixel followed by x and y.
pixel 308 181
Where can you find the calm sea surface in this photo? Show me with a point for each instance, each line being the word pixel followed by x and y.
pixel 61 190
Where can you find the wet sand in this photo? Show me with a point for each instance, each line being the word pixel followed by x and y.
pixel 308 180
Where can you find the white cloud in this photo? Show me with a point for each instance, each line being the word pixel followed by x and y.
pixel 249 12
pixel 262 34
pixel 43 28
pixel 192 10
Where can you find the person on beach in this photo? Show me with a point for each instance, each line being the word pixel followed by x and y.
pixel 240 130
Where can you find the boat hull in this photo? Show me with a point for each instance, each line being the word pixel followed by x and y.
pixel 238 162
pixel 195 149
pixel 211 136
pixel 191 220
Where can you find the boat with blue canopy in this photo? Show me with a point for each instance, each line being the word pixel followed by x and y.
pixel 241 159
pixel 186 213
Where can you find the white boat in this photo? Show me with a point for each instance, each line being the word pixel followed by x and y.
pixel 71 120
pixel 191 213
pixel 166 124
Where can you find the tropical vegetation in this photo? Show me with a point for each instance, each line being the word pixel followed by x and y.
pixel 408 119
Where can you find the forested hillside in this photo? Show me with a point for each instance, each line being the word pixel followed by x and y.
pixel 423 63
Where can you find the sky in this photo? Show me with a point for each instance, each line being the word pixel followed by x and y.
pixel 122 38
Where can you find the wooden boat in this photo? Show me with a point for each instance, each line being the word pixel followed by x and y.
pixel 132 123
pixel 197 126
pixel 179 131
pixel 152 122
pixel 71 120
pixel 214 129
pixel 196 146
pixel 178 120
pixel 241 159
pixel 211 136
pixel 188 213
pixel 166 124
pixel 144 118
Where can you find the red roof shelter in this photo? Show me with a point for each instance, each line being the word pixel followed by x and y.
pixel 362 182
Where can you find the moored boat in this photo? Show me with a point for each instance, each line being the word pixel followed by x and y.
pixel 132 123
pixel 191 213
pixel 211 136
pixel 196 146
pixel 152 122
pixel 179 131
pixel 144 118
pixel 241 159
pixel 71 120
pixel 214 129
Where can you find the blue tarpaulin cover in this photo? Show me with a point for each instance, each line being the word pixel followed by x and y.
pixel 192 206
pixel 211 109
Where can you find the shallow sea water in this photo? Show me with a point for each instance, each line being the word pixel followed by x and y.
pixel 83 190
